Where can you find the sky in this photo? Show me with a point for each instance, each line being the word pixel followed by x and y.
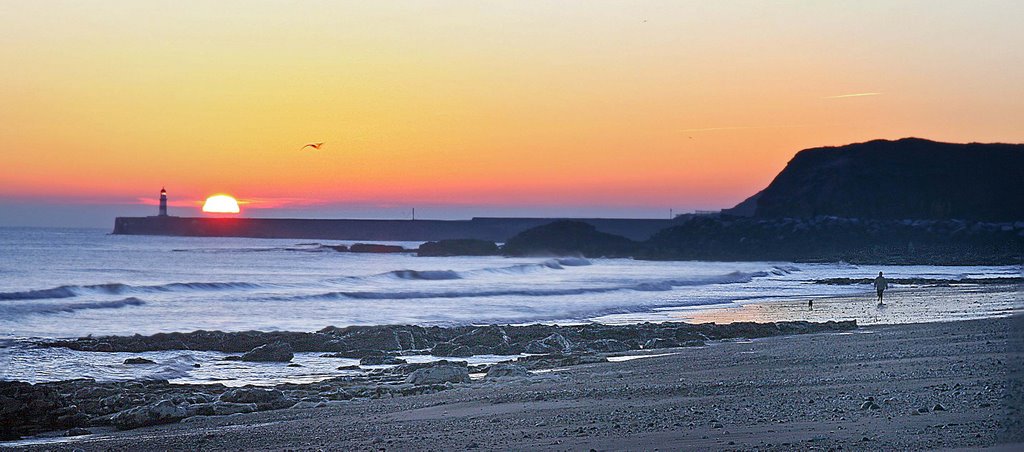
pixel 474 108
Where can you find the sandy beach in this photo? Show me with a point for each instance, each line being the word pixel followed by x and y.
pixel 902 304
pixel 918 386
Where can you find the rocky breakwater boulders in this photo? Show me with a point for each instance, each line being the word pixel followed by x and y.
pixel 262 398
pixel 660 343
pixel 554 343
pixel 136 361
pixel 27 409
pixel 162 412
pixel 376 248
pixel 380 360
pixel 506 371
pixel 220 408
pixel 439 373
pixel 362 341
pixel 608 346
pixel 492 340
pixel 534 362
pixel 276 352
pixel 233 342
pixel 79 405
pixel 458 247
pixel 377 343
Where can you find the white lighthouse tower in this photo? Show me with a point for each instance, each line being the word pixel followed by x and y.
pixel 163 202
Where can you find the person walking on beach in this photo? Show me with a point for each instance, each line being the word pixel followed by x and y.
pixel 880 285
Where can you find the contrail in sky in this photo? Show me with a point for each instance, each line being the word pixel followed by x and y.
pixel 841 96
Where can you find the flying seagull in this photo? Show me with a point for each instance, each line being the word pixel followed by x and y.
pixel 312 145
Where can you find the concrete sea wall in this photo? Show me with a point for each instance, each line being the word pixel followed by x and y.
pixel 493 229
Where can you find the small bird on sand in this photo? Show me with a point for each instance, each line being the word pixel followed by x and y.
pixel 312 145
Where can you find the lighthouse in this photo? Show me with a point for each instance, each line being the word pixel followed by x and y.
pixel 163 202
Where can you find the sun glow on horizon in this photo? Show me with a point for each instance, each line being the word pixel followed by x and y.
pixel 220 204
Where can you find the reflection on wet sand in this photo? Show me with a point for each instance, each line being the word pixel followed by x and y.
pixel 915 304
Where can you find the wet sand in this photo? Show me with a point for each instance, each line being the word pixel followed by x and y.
pixel 779 393
pixel 902 305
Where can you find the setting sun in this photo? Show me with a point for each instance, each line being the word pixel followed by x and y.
pixel 220 204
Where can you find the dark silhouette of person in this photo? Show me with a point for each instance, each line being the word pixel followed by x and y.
pixel 880 285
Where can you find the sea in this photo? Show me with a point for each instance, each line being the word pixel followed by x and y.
pixel 66 283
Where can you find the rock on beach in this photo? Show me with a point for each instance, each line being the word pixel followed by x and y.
pixel 445 373
pixel 275 352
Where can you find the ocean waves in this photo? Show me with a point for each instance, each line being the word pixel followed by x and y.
pixel 442 275
pixel 70 284
pixel 477 291
pixel 41 294
pixel 60 308
pixel 427 275
pixel 499 281
pixel 556 288
pixel 70 291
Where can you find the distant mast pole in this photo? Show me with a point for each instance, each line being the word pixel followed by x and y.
pixel 163 202
pixel 413 214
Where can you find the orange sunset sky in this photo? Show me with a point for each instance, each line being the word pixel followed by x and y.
pixel 461 108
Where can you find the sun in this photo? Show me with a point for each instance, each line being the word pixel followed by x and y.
pixel 220 204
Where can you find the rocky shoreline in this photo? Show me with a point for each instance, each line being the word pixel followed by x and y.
pixel 461 341
pixel 85 406
pixel 921 386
